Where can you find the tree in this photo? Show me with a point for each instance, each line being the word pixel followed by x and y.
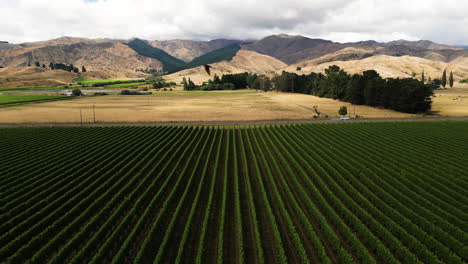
pixel 83 69
pixel 190 85
pixel 76 92
pixel 444 78
pixel 43 65
pixel 185 84
pixel 423 79
pixel 343 111
pixel 451 79
pixel 216 79
pixel 298 68
pixel 51 65
pixel 38 64
pixel 76 70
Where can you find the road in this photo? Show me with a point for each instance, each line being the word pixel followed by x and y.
pixel 266 122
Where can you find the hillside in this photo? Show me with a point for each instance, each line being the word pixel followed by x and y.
pixel 169 63
pixel 223 54
pixel 188 50
pixel 386 66
pixel 111 57
pixel 91 55
pixel 33 76
pixel 243 61
pixel 291 49
pixel 294 49
pixel 426 44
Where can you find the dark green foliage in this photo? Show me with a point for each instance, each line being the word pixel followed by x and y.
pixel 76 70
pixel 162 84
pixel 405 95
pixel 61 66
pixel 262 83
pixel 423 78
pixel 343 111
pixel 76 92
pixel 43 66
pixel 216 79
pixel 367 192
pixel 451 80
pixel 133 92
pixel 188 85
pixel 298 68
pixel 83 69
pixel 444 78
pixel 38 64
pixel 102 83
pixel 229 82
pixel 223 54
pixel 238 79
pixel 170 63
pixel 464 81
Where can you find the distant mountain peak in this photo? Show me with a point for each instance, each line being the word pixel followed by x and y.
pixel 289 36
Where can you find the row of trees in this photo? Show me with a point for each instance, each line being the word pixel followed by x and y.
pixel 61 66
pixel 369 88
pixel 436 83
pixel 226 82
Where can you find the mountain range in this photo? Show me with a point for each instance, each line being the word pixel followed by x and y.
pixel 136 58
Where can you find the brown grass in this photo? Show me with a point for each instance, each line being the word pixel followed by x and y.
pixel 451 102
pixel 180 106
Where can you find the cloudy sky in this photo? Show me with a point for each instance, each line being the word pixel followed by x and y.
pixel 338 20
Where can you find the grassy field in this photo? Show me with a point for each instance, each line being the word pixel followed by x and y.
pixel 33 88
pixel 388 192
pixel 451 102
pixel 174 106
pixel 125 85
pixel 23 98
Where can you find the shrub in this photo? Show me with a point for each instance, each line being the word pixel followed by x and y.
pixel 76 92
pixel 343 111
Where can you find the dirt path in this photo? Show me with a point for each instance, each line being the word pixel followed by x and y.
pixel 260 122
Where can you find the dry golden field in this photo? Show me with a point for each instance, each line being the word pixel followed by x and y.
pixel 451 102
pixel 180 106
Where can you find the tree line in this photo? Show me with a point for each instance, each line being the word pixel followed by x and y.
pixel 61 66
pixel 407 95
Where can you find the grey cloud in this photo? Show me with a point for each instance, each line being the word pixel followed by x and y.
pixel 340 20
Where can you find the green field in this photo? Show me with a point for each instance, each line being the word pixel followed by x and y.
pixel 386 192
pixel 124 85
pixel 32 88
pixel 9 99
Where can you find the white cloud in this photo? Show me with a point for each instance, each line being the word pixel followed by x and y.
pixel 338 20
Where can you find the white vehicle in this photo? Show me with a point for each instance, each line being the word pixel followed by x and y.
pixel 344 118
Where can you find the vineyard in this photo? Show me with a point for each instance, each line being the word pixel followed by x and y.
pixel 387 192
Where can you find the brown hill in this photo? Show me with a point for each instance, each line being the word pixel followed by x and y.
pixel 34 76
pixel 243 61
pixel 387 66
pixel 92 55
pixel 188 50
pixel 293 49
pixel 426 44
